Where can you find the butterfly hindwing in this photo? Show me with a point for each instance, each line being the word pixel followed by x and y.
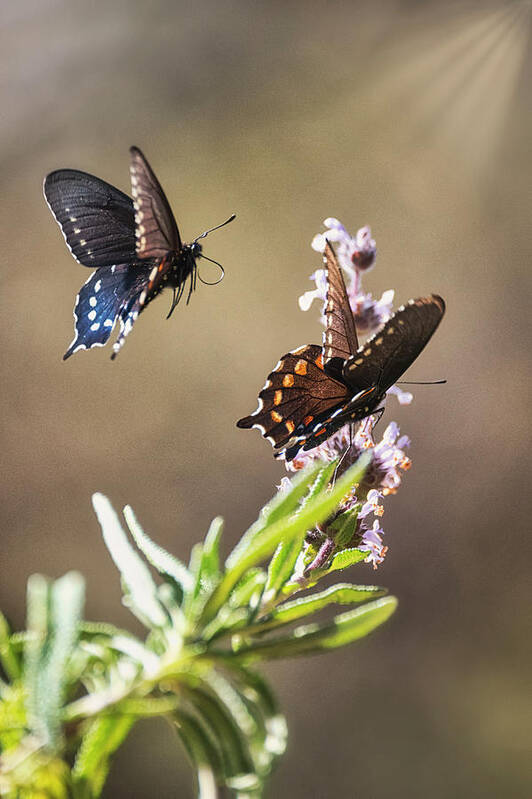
pixel 340 337
pixel 97 220
pixel 389 353
pixel 109 293
pixel 295 392
pixel 156 228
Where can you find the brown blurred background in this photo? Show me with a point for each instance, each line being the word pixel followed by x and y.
pixel 412 117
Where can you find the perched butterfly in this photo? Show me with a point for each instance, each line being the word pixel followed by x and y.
pixel 134 245
pixel 313 391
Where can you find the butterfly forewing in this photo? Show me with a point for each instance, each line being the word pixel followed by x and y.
pixel 389 353
pixel 97 220
pixel 340 337
pixel 297 391
pixel 156 228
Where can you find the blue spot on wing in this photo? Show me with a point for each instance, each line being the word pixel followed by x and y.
pixel 101 300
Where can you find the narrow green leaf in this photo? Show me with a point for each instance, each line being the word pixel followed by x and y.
pixel 148 706
pixel 316 511
pixel 141 589
pixel 346 558
pixel 344 528
pixel 250 583
pixel 165 563
pixel 340 594
pixel 93 629
pixel 101 738
pixel 8 656
pixel 313 638
pixel 136 651
pixel 280 507
pixel 211 548
pixel 54 611
pixel 232 740
pixel 281 566
pixel 254 689
pixel 203 753
pixel 321 481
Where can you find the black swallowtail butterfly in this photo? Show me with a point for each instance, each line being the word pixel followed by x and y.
pixel 313 391
pixel 134 246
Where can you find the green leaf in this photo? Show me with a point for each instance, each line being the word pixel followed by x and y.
pixel 203 753
pixel 280 507
pixel 321 481
pixel 220 722
pixel 101 738
pixel 210 566
pixel 251 583
pixel 346 558
pixel 8 656
pixel 254 689
pixel 141 589
pixel 313 638
pixel 344 528
pixel 204 567
pixel 341 594
pixel 165 563
pixel 314 512
pixel 281 567
pixel 54 611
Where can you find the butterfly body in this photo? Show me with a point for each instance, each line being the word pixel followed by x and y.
pixel 314 391
pixel 134 245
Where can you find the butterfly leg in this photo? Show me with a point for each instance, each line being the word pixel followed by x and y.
pixel 379 411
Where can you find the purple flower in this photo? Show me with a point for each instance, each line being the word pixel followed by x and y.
pixel 319 293
pixel 354 253
pixel 370 314
pixel 403 397
pixel 365 252
pixel 371 505
pixel 372 543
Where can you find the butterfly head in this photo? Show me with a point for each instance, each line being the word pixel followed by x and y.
pixel 195 249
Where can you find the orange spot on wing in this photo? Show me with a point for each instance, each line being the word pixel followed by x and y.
pixel 276 416
pixel 277 397
pixel 319 361
pixel 307 420
pixel 290 426
pixel 301 368
pixel 320 432
pixel 288 381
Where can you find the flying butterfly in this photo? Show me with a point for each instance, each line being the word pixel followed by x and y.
pixel 133 245
pixel 315 390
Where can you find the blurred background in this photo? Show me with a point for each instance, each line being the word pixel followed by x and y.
pixel 412 117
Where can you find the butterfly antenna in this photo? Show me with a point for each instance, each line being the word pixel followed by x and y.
pixel 421 382
pixel 222 275
pixel 206 233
